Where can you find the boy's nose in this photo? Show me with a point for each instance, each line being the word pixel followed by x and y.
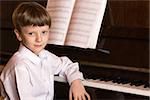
pixel 38 38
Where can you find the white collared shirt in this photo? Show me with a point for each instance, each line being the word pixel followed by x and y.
pixel 30 77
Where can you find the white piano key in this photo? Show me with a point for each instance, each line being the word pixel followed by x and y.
pixel 109 85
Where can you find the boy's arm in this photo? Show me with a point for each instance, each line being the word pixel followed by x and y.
pixel 23 83
pixel 68 70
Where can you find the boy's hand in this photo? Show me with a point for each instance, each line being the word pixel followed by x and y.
pixel 77 91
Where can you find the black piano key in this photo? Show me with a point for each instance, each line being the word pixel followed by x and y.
pixel 125 81
pixel 108 79
pixel 91 76
pixel 147 85
pixel 119 80
pixel 116 79
pixel 104 79
pixel 139 83
pixel 133 82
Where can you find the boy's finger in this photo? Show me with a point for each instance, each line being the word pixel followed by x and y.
pixel 70 95
pixel 88 96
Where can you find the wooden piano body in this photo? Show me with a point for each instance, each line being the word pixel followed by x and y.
pixel 122 49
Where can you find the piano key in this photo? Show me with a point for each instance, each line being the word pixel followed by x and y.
pixel 137 82
pixel 147 85
pixel 109 85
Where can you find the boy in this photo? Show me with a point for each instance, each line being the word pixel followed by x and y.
pixel 29 74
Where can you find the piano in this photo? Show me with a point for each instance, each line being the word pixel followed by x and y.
pixel 118 69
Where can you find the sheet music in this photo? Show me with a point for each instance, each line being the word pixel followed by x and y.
pixel 76 22
pixel 85 23
pixel 60 12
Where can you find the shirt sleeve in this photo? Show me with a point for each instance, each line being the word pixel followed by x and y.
pixel 2 91
pixel 23 82
pixel 67 69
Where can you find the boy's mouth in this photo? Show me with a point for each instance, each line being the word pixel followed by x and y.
pixel 37 45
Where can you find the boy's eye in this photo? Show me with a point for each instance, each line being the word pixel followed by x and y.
pixel 30 33
pixel 44 32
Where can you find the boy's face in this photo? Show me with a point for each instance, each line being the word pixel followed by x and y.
pixel 34 38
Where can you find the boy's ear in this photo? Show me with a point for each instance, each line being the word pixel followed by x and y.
pixel 17 34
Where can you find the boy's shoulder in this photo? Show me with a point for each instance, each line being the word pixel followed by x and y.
pixel 11 64
pixel 16 58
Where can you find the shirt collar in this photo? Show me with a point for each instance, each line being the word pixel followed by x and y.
pixel 30 55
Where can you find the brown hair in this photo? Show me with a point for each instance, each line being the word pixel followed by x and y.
pixel 30 13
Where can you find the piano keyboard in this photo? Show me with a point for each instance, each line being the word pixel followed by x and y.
pixel 109 85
